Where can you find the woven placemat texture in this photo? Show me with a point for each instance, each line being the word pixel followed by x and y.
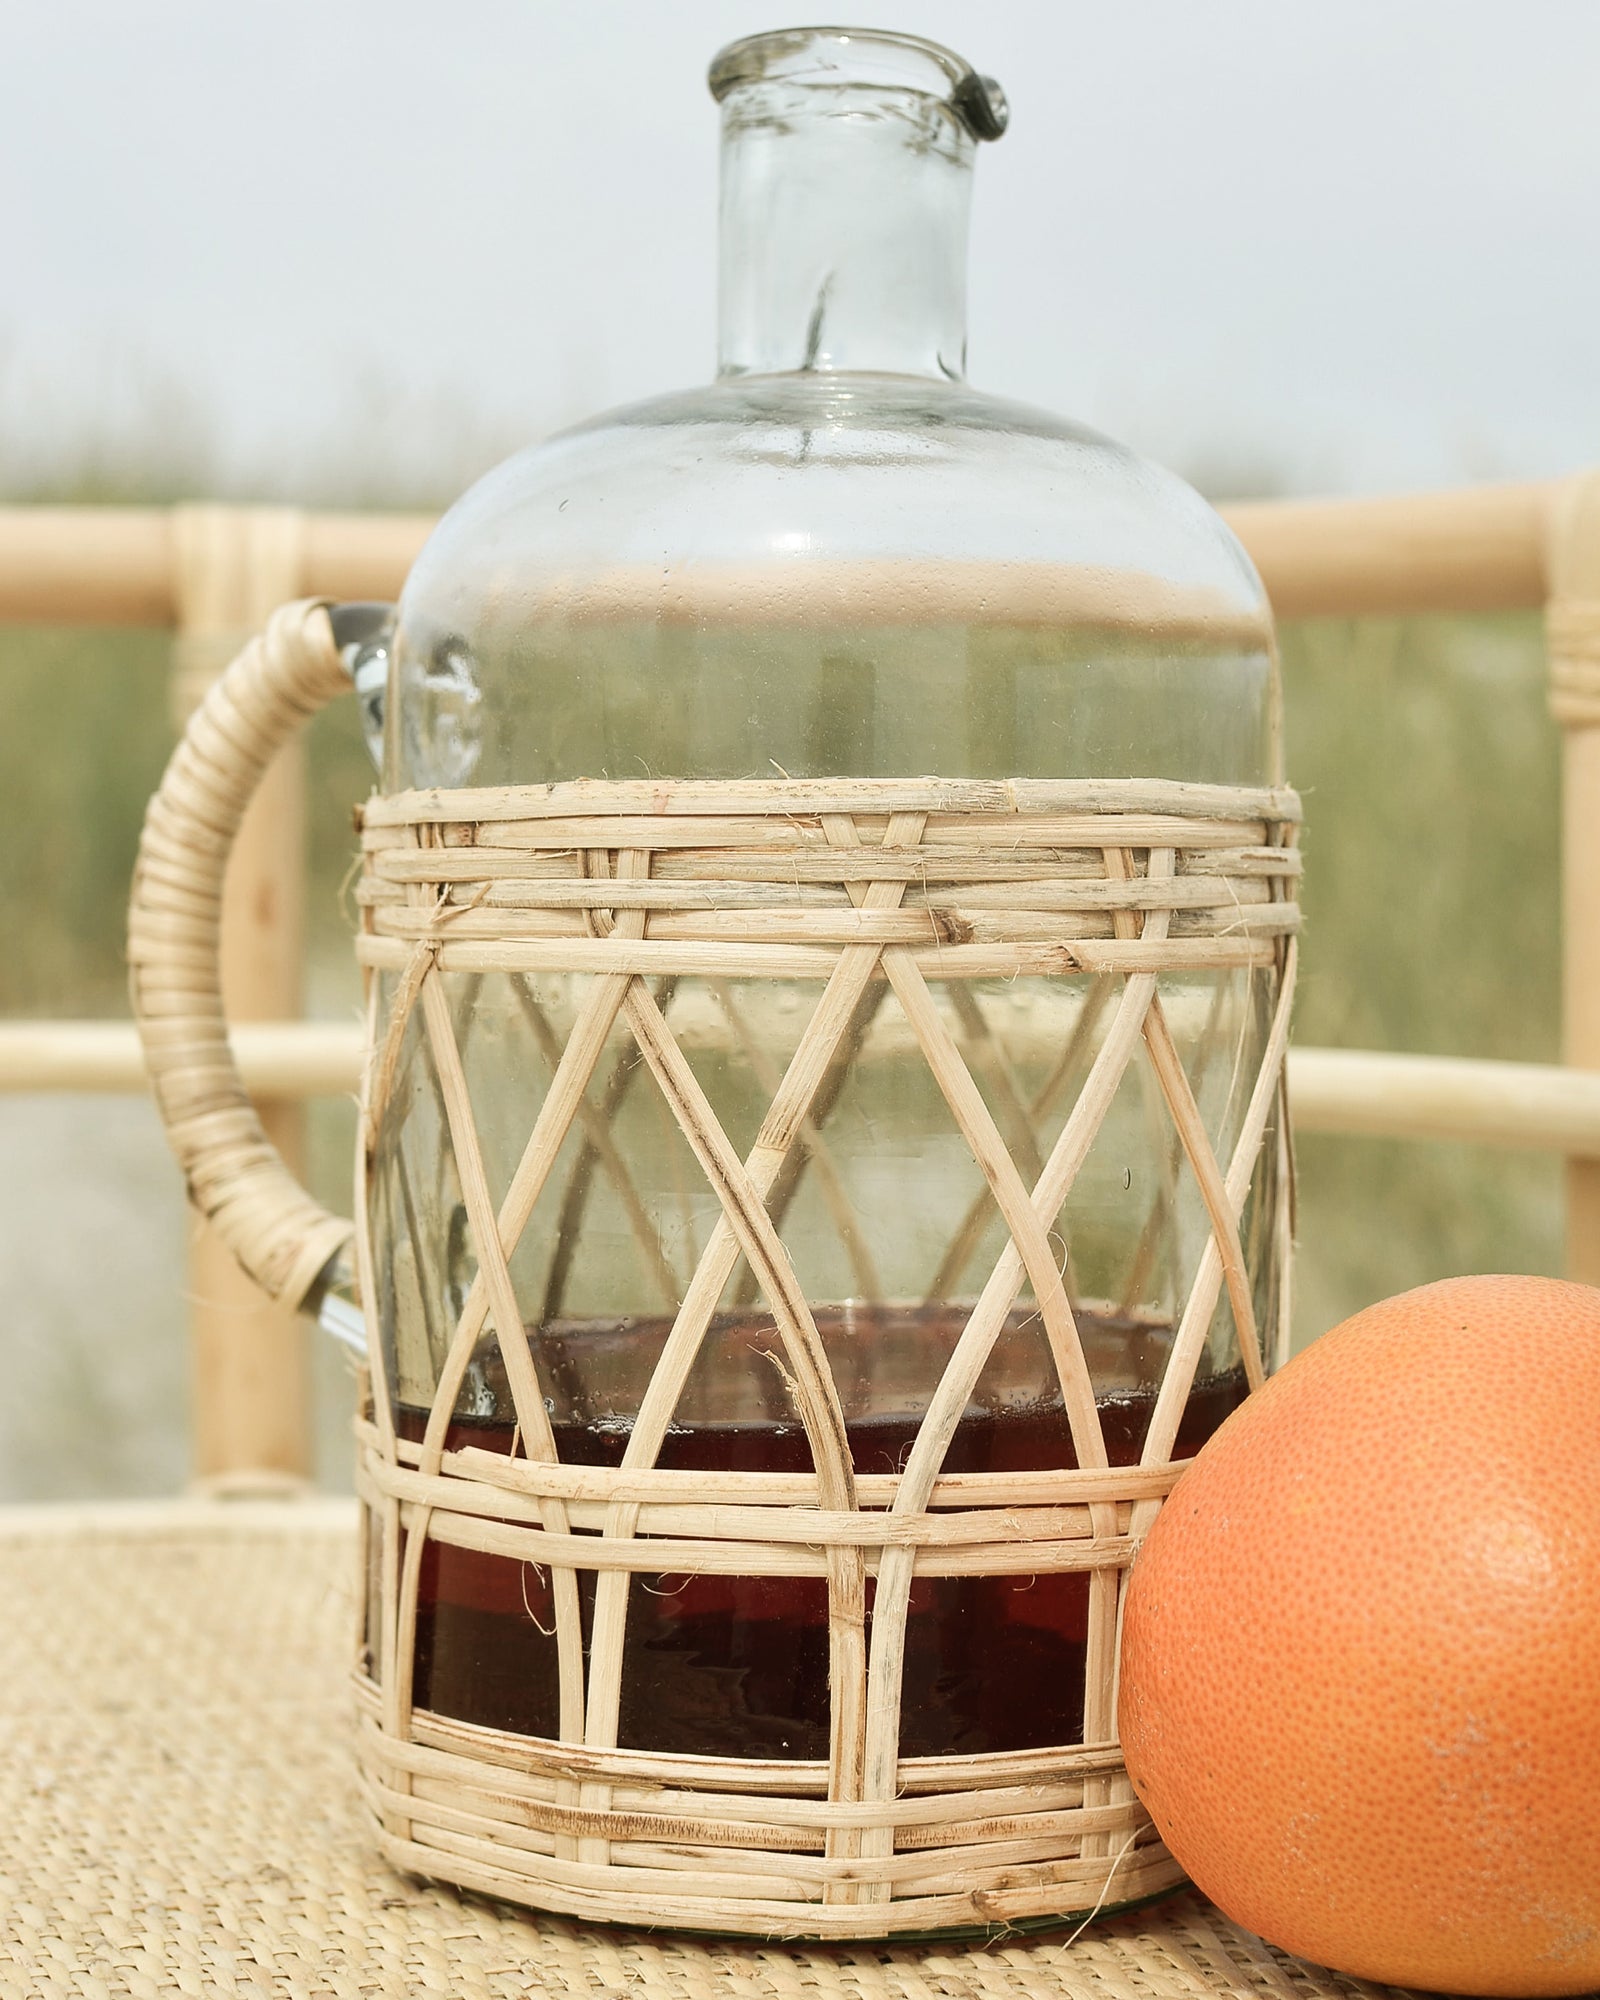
pixel 179 1812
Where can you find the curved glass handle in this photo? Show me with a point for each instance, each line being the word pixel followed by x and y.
pixel 364 634
pixel 288 1242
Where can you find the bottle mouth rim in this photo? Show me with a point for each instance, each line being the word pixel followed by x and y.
pixel 862 58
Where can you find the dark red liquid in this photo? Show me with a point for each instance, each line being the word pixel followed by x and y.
pixel 738 1666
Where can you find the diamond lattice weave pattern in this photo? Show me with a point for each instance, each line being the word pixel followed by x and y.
pixel 844 883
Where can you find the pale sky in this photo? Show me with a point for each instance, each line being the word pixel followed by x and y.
pixel 363 243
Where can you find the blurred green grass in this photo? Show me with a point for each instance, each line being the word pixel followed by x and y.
pixel 1429 769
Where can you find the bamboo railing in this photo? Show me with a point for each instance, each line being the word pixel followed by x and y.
pixel 211 573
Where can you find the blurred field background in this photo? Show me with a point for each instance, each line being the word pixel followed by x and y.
pixel 1428 765
pixel 347 256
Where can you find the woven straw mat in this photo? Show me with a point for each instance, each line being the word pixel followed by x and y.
pixel 179 1815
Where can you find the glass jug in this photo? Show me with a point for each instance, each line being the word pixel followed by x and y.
pixel 828 923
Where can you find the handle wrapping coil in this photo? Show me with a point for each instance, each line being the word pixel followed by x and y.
pixel 282 1236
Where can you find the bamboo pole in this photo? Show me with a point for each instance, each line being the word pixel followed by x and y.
pixel 1357 1092
pixel 1513 1105
pixel 1480 548
pixel 1573 620
pixel 279 1060
pixel 1476 549
pixel 251 1381
pixel 124 565
pixel 1580 987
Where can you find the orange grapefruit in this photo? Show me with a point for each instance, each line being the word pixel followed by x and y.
pixel 1360 1680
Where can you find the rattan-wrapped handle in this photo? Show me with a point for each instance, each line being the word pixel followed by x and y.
pixel 237 1180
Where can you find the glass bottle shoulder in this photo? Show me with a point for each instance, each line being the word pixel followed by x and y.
pixel 845 468
pixel 831 575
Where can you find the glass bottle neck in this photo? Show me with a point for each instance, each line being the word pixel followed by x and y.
pixel 844 215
